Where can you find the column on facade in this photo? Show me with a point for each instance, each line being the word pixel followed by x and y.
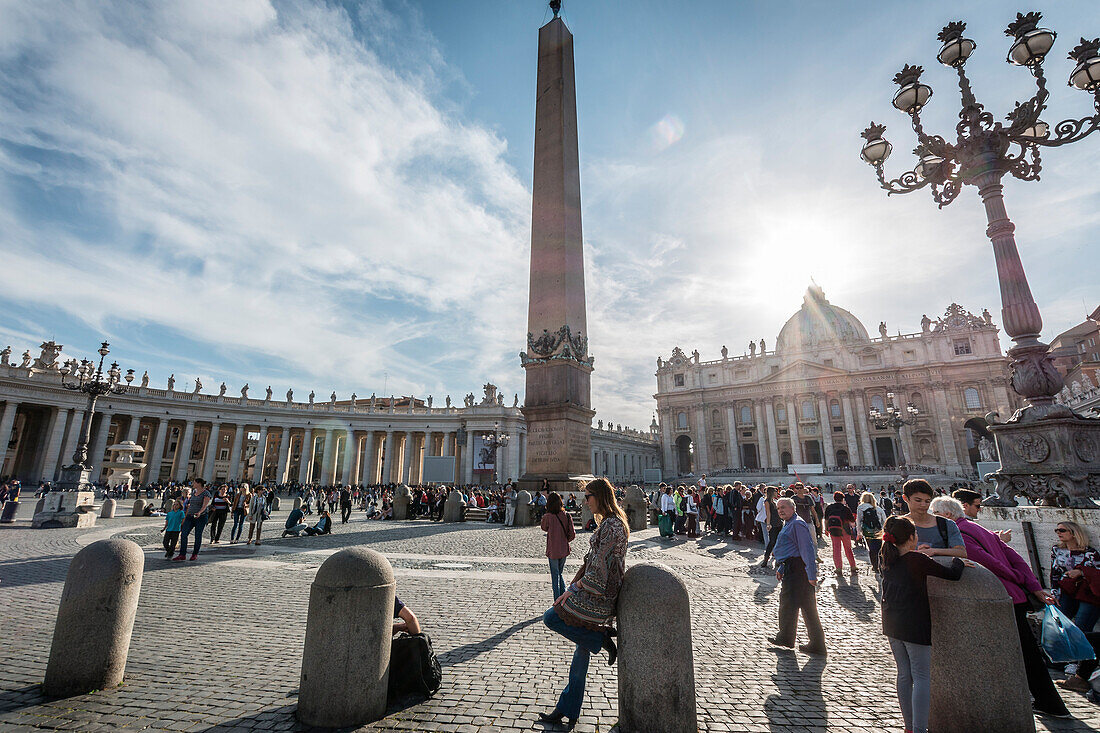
pixel 328 456
pixel 183 450
pixel 53 447
pixel 829 457
pixel 864 430
pixel 762 457
pixel 211 453
pixel 366 474
pixel 154 455
pixel 467 460
pixel 792 432
pixel 850 430
pixel 1001 396
pixel 261 456
pixel 943 426
pixel 235 453
pixel 307 456
pixel 7 420
pixel 351 457
pixel 735 447
pixel 446 449
pixel 132 430
pixel 284 455
pixel 72 438
pixel 666 434
pixel 702 465
pixel 406 457
pixel 773 435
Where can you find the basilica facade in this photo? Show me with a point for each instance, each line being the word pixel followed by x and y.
pixel 807 399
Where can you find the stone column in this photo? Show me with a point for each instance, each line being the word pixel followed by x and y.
pixel 447 448
pixel 132 430
pixel 351 456
pixel 211 453
pixel 735 449
pixel 773 436
pixel 284 455
pixel 99 446
pixel 792 430
pixel 829 457
pixel 366 472
pixel 53 448
pixel 307 456
pixel 850 430
pixel 155 457
pixel 389 457
pixel 7 419
pixel 235 453
pixel 467 457
pixel 328 455
pixel 943 427
pixel 702 465
pixel 183 450
pixel 864 434
pixel 666 436
pixel 406 457
pixel 261 455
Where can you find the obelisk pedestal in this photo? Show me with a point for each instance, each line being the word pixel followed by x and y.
pixel 557 402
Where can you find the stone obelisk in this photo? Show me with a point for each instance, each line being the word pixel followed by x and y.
pixel 557 403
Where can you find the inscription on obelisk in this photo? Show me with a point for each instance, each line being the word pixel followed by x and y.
pixel 557 403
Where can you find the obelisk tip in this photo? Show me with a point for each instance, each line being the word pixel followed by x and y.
pixel 555 5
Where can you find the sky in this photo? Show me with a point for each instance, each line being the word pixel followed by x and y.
pixel 335 196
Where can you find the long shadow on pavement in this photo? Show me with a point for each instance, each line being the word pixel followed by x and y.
pixel 469 651
pixel 799 692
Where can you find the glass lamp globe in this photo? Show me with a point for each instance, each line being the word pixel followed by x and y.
pixel 911 97
pixel 956 51
pixel 876 151
pixel 1031 47
pixel 1086 75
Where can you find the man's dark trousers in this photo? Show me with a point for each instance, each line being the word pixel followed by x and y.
pixel 796 594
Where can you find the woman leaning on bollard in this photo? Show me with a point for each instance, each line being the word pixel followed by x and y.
pixel 583 613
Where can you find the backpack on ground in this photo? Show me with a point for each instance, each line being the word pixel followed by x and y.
pixel 414 668
pixel 871 524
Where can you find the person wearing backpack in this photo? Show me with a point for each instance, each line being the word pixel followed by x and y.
pixel 870 521
pixel 838 522
pixel 558 526
pixel 936 535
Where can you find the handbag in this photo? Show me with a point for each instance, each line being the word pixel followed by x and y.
pixel 1061 640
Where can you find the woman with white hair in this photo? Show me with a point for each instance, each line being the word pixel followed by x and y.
pixel 986 549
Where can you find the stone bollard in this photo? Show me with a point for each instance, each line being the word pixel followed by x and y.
pixel 275 504
pixel 524 515
pixel 452 508
pixel 139 508
pixel 7 515
pixel 635 507
pixel 91 639
pixel 586 514
pixel 973 619
pixel 346 662
pixel 107 511
pixel 655 623
pixel 402 497
pixel 41 503
pixel 297 502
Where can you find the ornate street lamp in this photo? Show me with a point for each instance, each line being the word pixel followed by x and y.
pixel 493 441
pixel 985 150
pixel 894 419
pixel 95 383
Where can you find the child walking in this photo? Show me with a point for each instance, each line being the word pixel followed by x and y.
pixel 173 522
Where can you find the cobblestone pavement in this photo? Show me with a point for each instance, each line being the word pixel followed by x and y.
pixel 217 644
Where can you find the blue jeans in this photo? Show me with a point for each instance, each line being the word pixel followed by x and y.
pixel 1087 615
pixel 192 523
pixel 557 565
pixel 914 682
pixel 238 525
pixel 588 642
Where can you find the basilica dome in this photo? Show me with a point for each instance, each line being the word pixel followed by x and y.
pixel 819 322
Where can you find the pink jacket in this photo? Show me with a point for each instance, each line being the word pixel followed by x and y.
pixel 986 549
pixel 559 533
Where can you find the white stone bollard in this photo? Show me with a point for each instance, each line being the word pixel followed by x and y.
pixel 453 506
pixel 346 662
pixel 139 508
pixel 297 502
pixel 524 517
pixel 974 627
pixel 91 639
pixel 655 624
pixel 402 497
pixel 107 511
pixel 635 506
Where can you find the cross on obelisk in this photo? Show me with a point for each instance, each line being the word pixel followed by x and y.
pixel 557 403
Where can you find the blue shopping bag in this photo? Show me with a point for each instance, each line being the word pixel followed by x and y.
pixel 1061 640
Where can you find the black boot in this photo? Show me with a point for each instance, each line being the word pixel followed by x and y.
pixel 609 647
pixel 554 717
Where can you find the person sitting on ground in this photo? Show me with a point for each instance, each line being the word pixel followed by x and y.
pixel 323 526
pixel 404 619
pixel 294 524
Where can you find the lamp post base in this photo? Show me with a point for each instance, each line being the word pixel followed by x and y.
pixel 1047 454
